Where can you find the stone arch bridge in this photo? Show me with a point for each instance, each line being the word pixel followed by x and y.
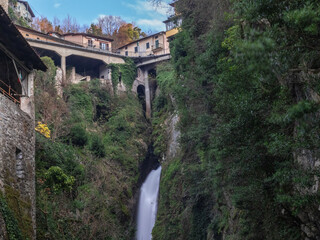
pixel 62 53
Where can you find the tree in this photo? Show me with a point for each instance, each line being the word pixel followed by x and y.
pixel 157 3
pixel 70 25
pixel 42 24
pixel 95 30
pixel 126 34
pixel 110 24
pixel 56 25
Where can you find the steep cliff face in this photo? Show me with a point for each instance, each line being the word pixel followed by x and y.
pixel 247 95
pixel 308 159
pixel 173 134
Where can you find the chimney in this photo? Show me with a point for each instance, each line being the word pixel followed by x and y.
pixel 5 5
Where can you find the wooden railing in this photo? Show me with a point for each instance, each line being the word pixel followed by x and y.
pixel 10 93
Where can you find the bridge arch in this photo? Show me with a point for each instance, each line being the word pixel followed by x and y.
pixel 141 92
pixel 56 57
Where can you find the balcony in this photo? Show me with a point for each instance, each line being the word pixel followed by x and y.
pixel 157 47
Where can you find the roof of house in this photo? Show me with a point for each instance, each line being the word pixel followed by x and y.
pixel 48 36
pixel 89 35
pixel 56 33
pixel 27 7
pixel 142 39
pixel 17 45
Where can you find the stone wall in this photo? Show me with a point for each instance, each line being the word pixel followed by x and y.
pixel 17 166
pixel 4 4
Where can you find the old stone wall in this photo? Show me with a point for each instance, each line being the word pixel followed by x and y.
pixel 4 4
pixel 17 166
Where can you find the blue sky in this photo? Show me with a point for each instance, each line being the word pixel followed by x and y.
pixel 140 12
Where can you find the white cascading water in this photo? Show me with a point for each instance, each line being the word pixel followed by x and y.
pixel 148 205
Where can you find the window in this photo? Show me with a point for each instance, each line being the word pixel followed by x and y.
pixel 107 47
pixel 136 49
pixel 156 37
pixel 127 53
pixel 157 43
pixel 103 46
pixel 126 48
pixel 148 45
pixel 90 43
pixel 27 35
pixel 19 164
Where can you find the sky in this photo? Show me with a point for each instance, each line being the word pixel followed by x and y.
pixel 141 12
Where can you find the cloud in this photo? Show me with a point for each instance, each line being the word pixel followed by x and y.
pixel 144 7
pixel 151 23
pixel 57 5
pixel 145 15
pixel 148 16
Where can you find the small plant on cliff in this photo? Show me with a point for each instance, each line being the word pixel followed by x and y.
pixel 43 129
pixel 57 180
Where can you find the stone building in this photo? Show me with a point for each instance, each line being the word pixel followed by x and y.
pixel 156 44
pixel 5 5
pixel 89 40
pixel 23 10
pixel 17 134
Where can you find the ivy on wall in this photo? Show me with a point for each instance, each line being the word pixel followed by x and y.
pixel 11 222
pixel 123 72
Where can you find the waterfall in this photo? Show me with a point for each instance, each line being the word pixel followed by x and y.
pixel 148 204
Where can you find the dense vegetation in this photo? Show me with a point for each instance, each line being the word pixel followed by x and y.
pixel 87 172
pixel 244 79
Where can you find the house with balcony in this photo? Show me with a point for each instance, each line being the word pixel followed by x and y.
pixel 89 40
pixel 155 44
pixel 17 129
pixel 173 23
pixel 23 10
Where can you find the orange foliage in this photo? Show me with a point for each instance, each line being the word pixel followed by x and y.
pixel 42 24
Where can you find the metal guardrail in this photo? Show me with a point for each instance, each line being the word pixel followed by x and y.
pixel 145 53
pixel 10 93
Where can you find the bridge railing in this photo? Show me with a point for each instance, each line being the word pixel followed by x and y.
pixel 112 51
pixel 76 45
pixel 143 53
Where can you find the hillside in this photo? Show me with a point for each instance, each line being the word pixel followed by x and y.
pixel 88 171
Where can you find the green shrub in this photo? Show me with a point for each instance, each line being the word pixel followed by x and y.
pixel 78 136
pixel 97 146
pixel 57 180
